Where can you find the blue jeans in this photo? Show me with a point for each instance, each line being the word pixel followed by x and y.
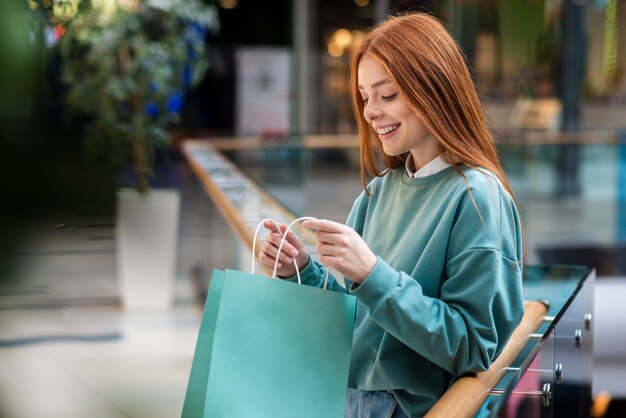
pixel 376 404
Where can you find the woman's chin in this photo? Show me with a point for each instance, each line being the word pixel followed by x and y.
pixel 391 152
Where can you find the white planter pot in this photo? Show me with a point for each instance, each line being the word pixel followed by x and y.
pixel 147 232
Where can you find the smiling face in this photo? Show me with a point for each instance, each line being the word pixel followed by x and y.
pixel 399 128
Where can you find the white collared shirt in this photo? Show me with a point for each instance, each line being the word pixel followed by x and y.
pixel 434 166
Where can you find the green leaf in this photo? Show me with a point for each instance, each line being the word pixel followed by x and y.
pixel 114 70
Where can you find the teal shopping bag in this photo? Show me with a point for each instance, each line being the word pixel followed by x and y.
pixel 270 348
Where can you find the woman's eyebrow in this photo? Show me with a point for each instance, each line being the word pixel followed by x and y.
pixel 377 84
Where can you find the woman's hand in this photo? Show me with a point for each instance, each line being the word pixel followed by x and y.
pixel 292 248
pixel 342 249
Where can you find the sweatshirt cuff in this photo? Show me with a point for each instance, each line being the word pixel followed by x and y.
pixel 309 275
pixel 379 284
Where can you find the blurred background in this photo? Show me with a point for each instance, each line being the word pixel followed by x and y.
pixel 98 96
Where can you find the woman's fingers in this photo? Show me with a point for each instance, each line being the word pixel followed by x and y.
pixel 270 247
pixel 292 238
pixel 267 256
pixel 271 226
pixel 292 248
pixel 268 260
pixel 324 225
pixel 328 232
pixel 288 249
pixel 330 249
pixel 329 238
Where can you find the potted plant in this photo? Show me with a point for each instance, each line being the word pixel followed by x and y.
pixel 127 65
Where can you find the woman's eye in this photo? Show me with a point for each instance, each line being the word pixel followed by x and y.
pixel 364 100
pixel 390 97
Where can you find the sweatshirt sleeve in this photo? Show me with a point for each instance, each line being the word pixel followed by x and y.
pixel 314 275
pixel 480 301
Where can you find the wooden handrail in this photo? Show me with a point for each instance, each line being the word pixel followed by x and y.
pixel 242 223
pixel 239 143
pixel 351 141
pixel 521 137
pixel 466 396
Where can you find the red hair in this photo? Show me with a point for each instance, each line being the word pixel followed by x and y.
pixel 431 75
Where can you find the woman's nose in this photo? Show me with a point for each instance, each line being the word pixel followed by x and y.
pixel 372 112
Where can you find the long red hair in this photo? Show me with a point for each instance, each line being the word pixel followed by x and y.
pixel 431 75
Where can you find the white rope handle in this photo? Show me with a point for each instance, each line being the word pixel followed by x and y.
pixel 280 247
pixel 256 234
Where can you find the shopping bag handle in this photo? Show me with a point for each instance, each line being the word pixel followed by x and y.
pixel 256 233
pixel 280 247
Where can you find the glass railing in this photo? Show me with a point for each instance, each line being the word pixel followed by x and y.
pixel 552 375
pixel 571 188
pixel 572 191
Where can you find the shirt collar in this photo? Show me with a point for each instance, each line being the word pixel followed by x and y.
pixel 434 166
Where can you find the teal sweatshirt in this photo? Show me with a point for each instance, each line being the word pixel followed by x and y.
pixel 445 294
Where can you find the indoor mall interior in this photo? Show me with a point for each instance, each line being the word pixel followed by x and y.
pixel 228 112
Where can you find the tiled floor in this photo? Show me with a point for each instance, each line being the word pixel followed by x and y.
pixel 68 349
pixel 95 361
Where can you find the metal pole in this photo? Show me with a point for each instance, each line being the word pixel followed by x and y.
pixel 383 7
pixel 620 197
pixel 572 75
pixel 304 20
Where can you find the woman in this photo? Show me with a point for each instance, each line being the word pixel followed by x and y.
pixel 432 248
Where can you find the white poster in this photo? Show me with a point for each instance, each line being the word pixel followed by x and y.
pixel 263 91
